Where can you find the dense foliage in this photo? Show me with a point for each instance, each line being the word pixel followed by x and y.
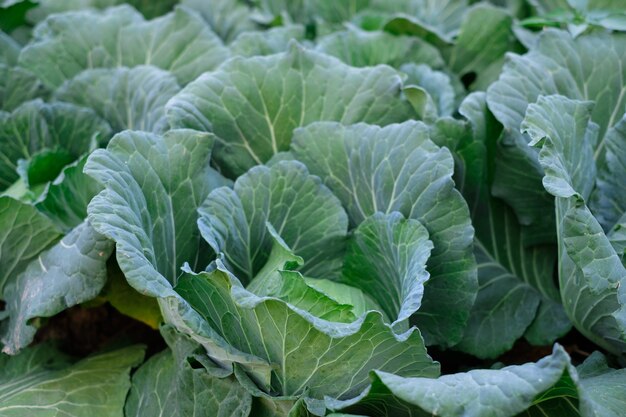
pixel 318 204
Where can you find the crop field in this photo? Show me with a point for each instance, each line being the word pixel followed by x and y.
pixel 301 208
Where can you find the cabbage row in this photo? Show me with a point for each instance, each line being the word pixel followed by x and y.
pixel 315 202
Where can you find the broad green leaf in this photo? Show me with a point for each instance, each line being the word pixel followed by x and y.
pixel 436 21
pixel 41 383
pixel 65 200
pixel 24 233
pixel 37 126
pixel 397 168
pixel 304 213
pixel 66 44
pixel 591 274
pixel 516 288
pixel 484 37
pixel 254 104
pixel 152 188
pixel 590 67
pixel 131 99
pixel 227 18
pixel 267 42
pixel 287 337
pixel 387 259
pixel 168 385
pixel 505 392
pixel 359 48
pixel 18 85
pixel 592 281
pixel 69 273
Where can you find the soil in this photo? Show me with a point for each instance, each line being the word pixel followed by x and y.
pixel 576 345
pixel 81 331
